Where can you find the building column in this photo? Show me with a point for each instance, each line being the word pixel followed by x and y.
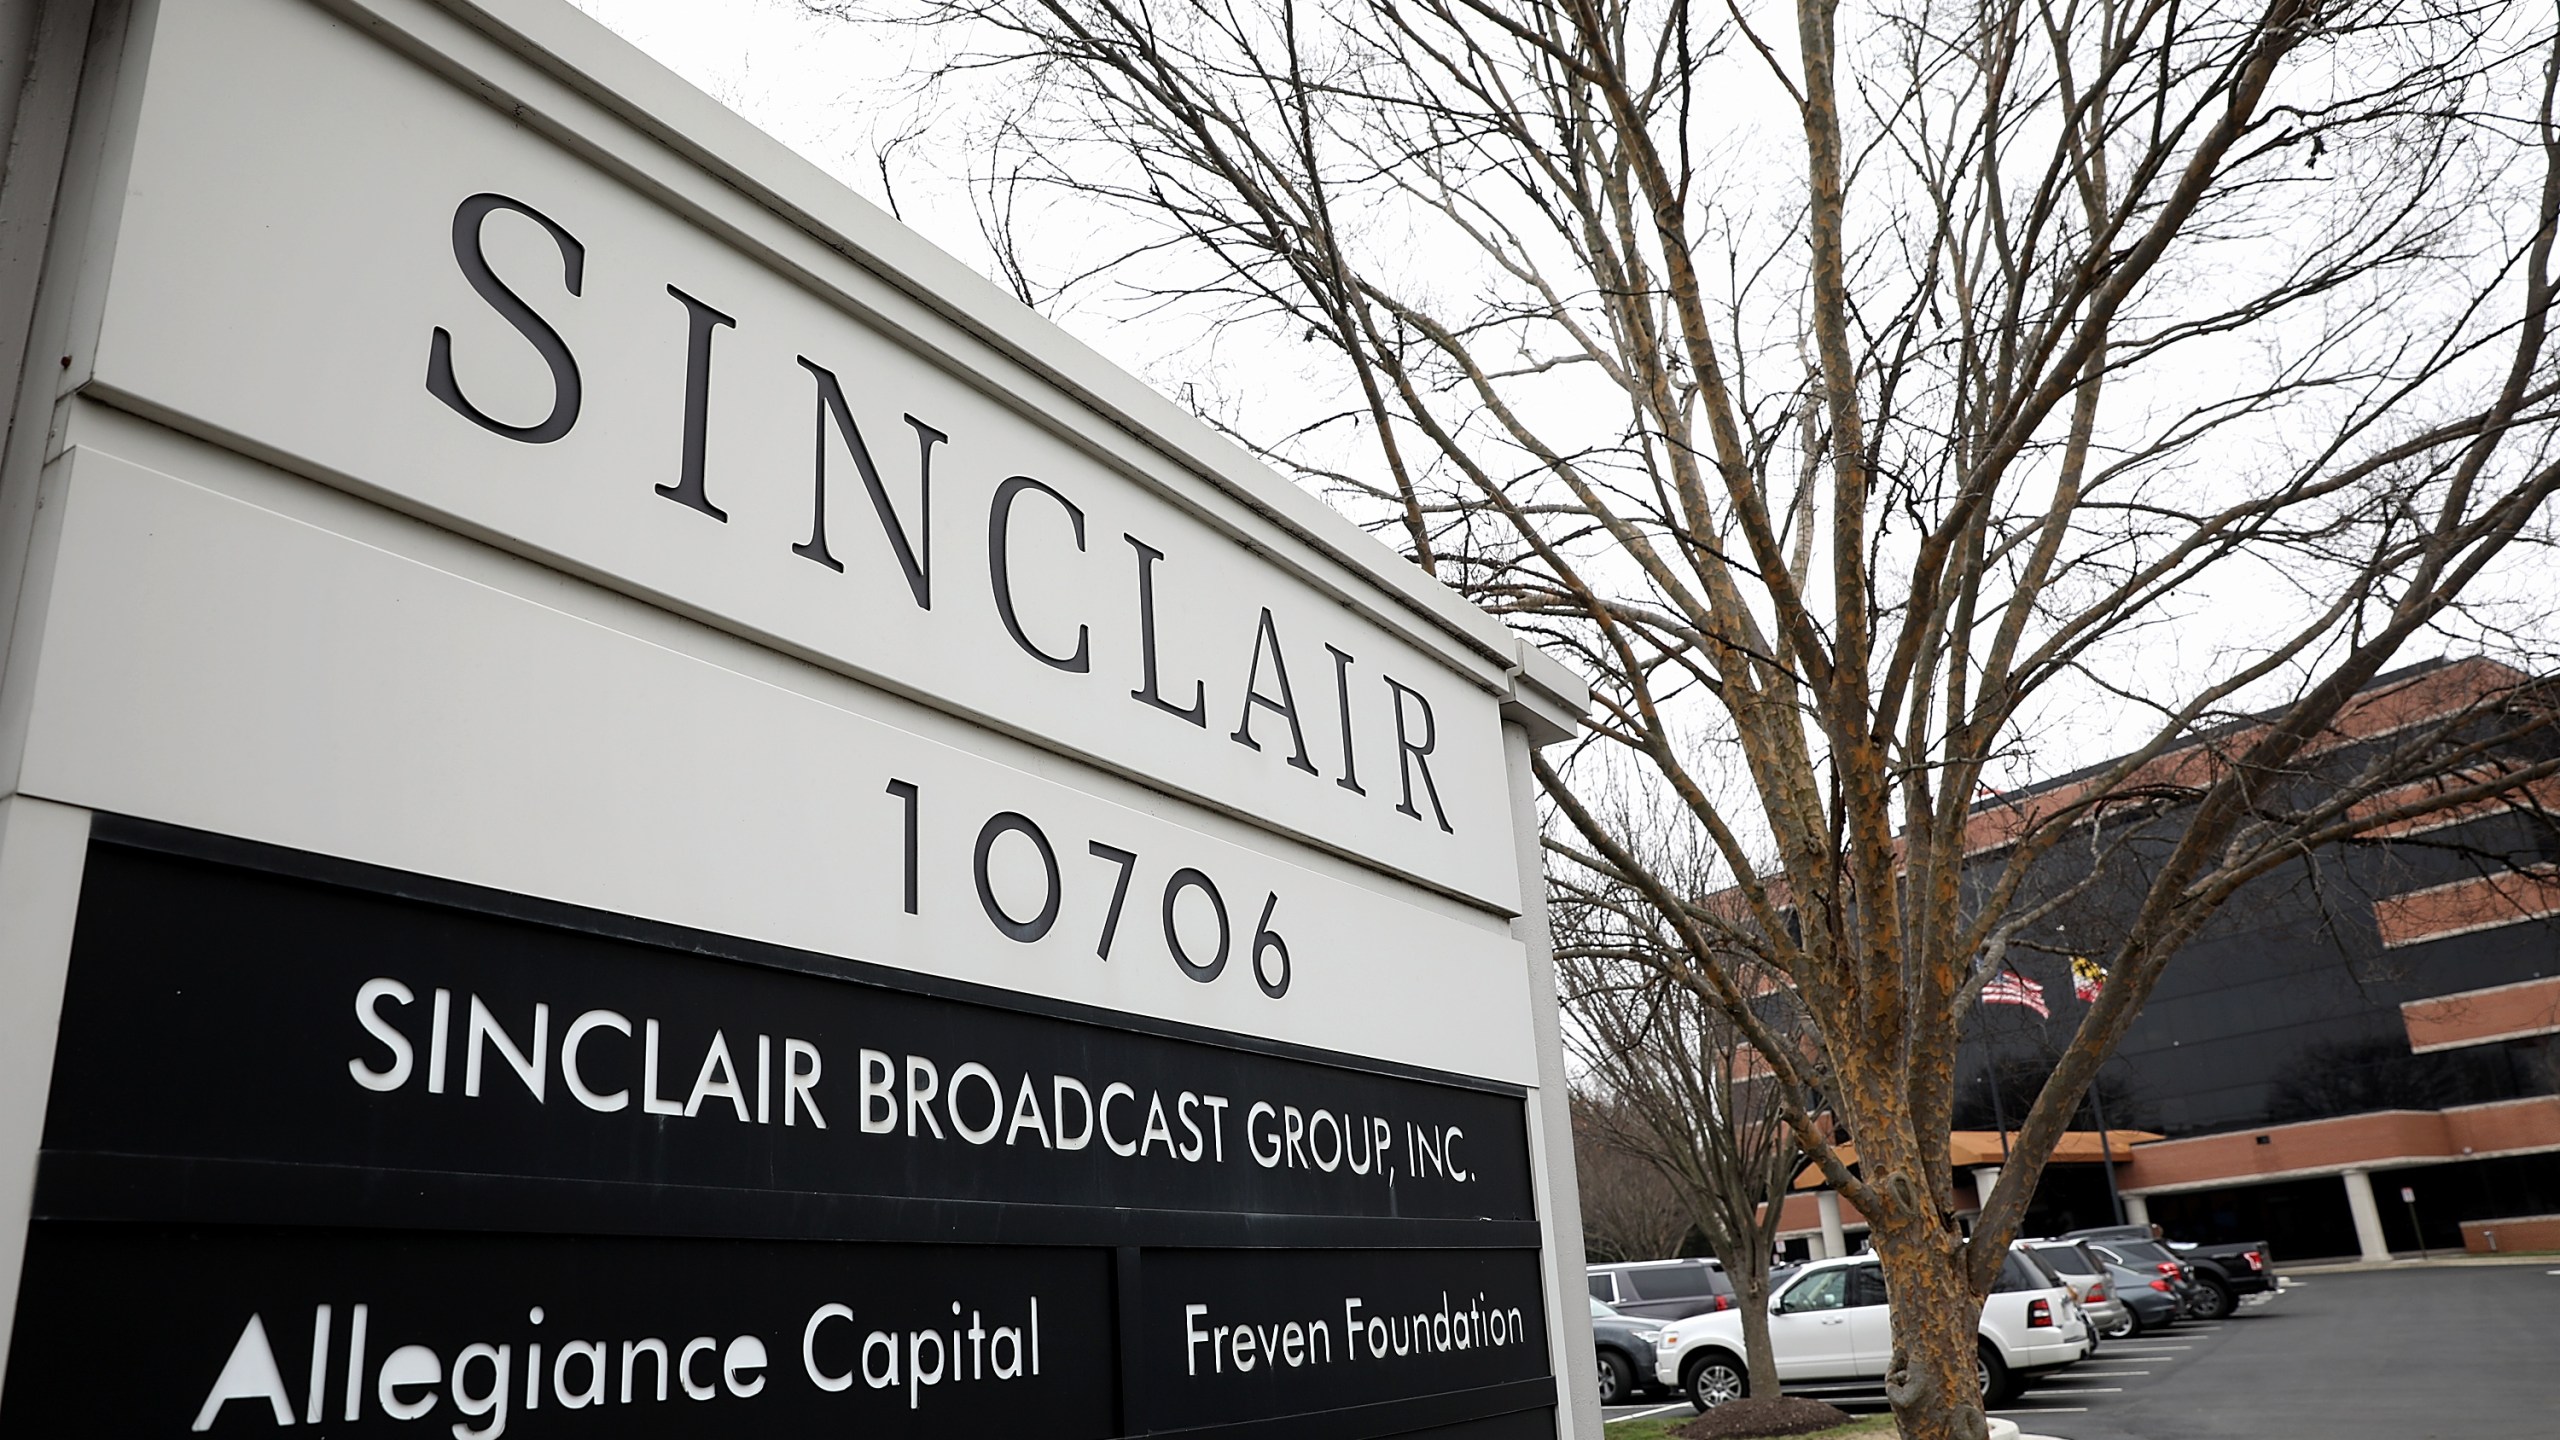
pixel 1836 1240
pixel 1986 1178
pixel 2137 1210
pixel 2368 1215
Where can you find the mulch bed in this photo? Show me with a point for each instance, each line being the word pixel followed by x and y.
pixel 1777 1415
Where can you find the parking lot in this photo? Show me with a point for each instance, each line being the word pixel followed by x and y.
pixel 2408 1354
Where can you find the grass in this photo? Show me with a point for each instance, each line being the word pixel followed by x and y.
pixel 1659 1427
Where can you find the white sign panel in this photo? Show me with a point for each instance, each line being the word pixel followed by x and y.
pixel 222 666
pixel 426 301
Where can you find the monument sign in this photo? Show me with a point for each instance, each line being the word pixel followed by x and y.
pixel 636 806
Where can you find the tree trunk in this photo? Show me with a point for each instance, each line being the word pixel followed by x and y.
pixel 1751 1292
pixel 1936 1332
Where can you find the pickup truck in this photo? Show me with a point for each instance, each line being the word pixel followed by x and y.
pixel 2223 1273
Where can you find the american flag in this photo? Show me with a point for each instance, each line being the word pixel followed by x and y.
pixel 2012 988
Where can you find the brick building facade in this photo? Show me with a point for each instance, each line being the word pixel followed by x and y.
pixel 2371 1018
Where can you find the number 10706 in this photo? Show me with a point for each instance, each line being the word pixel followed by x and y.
pixel 1267 956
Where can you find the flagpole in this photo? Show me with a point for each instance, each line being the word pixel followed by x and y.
pixel 2106 1155
pixel 1999 1117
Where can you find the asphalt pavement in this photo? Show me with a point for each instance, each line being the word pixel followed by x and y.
pixel 2417 1353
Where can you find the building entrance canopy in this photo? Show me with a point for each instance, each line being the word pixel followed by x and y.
pixel 1974 1149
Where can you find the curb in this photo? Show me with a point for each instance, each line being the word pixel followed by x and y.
pixel 2449 1262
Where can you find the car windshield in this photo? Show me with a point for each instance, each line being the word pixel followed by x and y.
pixel 2142 1252
pixel 2068 1259
pixel 1676 1282
pixel 2023 1271
pixel 1601 1310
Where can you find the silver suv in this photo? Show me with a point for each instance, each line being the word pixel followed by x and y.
pixel 1662 1289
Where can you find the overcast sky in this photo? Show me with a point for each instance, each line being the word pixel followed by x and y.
pixel 832 91
pixel 822 87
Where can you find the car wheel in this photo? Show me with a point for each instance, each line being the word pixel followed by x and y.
pixel 2125 1326
pixel 1715 1378
pixel 2216 1302
pixel 1991 1379
pixel 1617 1379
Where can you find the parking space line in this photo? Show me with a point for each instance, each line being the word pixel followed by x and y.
pixel 2100 1374
pixel 2045 1410
pixel 1646 1414
pixel 2075 1393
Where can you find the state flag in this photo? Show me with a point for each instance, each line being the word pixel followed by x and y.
pixel 2088 977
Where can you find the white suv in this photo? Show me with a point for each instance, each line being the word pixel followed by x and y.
pixel 1830 1323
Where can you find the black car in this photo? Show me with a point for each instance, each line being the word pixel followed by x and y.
pixel 1625 1346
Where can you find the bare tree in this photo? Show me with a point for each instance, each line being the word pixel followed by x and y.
pixel 2047 378
pixel 1629 1211
pixel 1682 1089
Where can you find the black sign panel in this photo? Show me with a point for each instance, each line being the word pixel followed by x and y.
pixel 1226 1335
pixel 168 1330
pixel 340 1148
pixel 256 1017
pixel 152 1330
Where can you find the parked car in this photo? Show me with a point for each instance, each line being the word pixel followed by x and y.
pixel 2223 1272
pixel 2193 1299
pixel 1829 1322
pixel 2086 1274
pixel 1662 1289
pixel 1625 1346
pixel 2149 1295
